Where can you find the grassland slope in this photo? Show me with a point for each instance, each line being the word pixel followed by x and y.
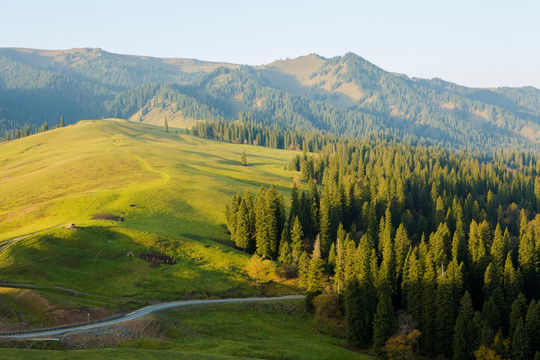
pixel 168 187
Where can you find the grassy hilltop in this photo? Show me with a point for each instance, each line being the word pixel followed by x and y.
pixel 170 188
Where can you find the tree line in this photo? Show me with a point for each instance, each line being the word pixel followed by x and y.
pixel 28 130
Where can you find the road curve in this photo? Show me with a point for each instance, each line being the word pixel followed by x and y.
pixel 145 311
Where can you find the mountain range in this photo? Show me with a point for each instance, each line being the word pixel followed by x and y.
pixel 345 95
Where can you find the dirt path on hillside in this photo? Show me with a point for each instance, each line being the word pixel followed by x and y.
pixel 37 334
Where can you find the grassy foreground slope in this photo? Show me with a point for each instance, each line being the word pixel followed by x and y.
pixel 232 331
pixel 169 187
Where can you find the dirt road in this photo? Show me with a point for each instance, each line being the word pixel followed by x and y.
pixel 140 313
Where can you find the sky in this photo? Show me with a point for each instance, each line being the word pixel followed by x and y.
pixel 474 43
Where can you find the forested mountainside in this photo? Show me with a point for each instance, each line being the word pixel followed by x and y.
pixel 343 95
pixel 38 86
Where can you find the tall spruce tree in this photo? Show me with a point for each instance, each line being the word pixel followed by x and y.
pixel 429 308
pixel 315 271
pixel 383 323
pixel 297 239
pixel 529 264
pixel 325 225
pixel 414 288
pixel 295 204
pixel 464 331
pixel 242 235
pixel 261 236
pixel 511 282
pixel 532 326
pixel 358 333
pixel 518 311
pixel 491 280
pixel 499 249
pixel 444 319
pixel 401 247
pixel 520 343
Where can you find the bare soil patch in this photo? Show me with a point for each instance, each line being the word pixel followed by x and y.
pixel 114 335
pixel 80 315
pixel 157 258
pixel 107 216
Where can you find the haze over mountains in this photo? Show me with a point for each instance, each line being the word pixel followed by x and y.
pixel 344 95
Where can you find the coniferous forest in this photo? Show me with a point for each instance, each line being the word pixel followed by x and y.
pixel 446 242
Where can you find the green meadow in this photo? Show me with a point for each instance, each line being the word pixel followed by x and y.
pixel 169 187
pixel 232 331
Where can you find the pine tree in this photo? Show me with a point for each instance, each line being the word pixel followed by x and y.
pixel 270 220
pixel 384 322
pixel 315 269
pixel 498 343
pixel 414 288
pixel 231 214
pixel 242 235
pixel 295 204
pixel 518 311
pixel 401 247
pixel 478 234
pixel 520 346
pixel 387 273
pixel 285 254
pixel 62 121
pixel 314 201
pixel 491 280
pixel 459 244
pixel 339 269
pixel 332 257
pixel 511 285
pixel 261 236
pixel 429 308
pixel 297 240
pixel 303 270
pixel 491 316
pixel 456 276
pixel 464 331
pixel 325 225
pixel 444 319
pixel 243 158
pixel 529 263
pixel 358 333
pixel 440 243
pixel 166 124
pixel 532 326
pixel 499 249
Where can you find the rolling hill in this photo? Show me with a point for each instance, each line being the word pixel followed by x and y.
pixel 344 95
pixel 170 189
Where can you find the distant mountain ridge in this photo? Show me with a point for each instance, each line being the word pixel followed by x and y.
pixel 344 95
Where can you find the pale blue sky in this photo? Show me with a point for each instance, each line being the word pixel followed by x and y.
pixel 474 43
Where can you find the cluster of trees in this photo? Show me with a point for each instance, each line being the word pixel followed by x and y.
pixel 28 130
pixel 450 238
pixel 257 224
pixel 249 129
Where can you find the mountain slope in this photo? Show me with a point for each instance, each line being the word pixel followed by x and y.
pixel 344 95
pixel 38 86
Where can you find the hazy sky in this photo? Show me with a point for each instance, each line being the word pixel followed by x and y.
pixel 474 43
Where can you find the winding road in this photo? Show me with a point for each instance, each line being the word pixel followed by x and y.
pixel 142 312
